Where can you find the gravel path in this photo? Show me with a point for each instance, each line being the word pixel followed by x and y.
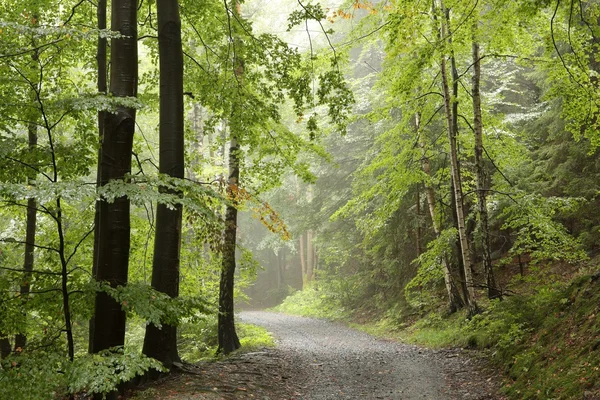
pixel 317 360
pixel 336 362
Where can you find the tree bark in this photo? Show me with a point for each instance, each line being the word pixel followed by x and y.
pixel 102 88
pixel 161 344
pixel 419 229
pixel 302 258
pixel 451 107
pixel 310 257
pixel 492 289
pixel 31 224
pixel 113 228
pixel 228 339
pixel 455 301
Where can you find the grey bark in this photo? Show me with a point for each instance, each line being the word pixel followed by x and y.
pixel 492 289
pixel 451 106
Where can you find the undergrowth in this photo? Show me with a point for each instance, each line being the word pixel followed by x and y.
pixel 198 341
pixel 312 302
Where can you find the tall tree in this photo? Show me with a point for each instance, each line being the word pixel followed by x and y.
pixel 31 220
pixel 102 84
pixel 228 338
pixel 451 111
pixel 161 343
pixel 455 301
pixel 484 230
pixel 113 228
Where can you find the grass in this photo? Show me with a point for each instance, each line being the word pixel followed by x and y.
pixel 198 341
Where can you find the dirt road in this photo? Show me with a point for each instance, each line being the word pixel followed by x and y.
pixel 336 362
pixel 317 360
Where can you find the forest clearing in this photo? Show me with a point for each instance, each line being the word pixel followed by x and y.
pixel 412 188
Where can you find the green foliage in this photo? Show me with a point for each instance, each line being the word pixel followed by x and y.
pixel 156 307
pixel 313 302
pixel 199 338
pixel 430 274
pixel 544 341
pixel 538 234
pixel 104 371
pixel 37 377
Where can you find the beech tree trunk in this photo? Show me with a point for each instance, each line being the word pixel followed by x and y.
pixel 113 228
pixel 102 89
pixel 161 344
pixel 455 301
pixel 31 224
pixel 492 289
pixel 31 220
pixel 451 107
pixel 228 339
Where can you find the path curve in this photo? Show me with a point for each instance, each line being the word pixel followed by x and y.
pixel 336 362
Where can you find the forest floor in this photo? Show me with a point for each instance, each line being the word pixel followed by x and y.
pixel 316 359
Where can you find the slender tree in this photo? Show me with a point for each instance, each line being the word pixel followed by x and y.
pixel 113 228
pixel 31 220
pixel 451 111
pixel 492 289
pixel 228 339
pixel 455 301
pixel 161 343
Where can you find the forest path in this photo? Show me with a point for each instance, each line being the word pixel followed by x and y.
pixel 318 360
pixel 333 361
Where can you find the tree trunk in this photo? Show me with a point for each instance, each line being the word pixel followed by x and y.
pixel 455 301
pixel 302 259
pixel 102 89
pixel 113 228
pixel 419 229
pixel 31 224
pixel 484 229
pixel 5 348
pixel 310 256
pixel 451 107
pixel 228 339
pixel 161 344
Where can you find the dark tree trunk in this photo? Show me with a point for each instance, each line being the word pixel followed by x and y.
pixel 5 348
pixel 492 289
pixel 228 339
pixel 113 228
pixel 161 344
pixel 102 88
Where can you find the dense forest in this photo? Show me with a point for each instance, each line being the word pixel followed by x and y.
pixel 421 166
